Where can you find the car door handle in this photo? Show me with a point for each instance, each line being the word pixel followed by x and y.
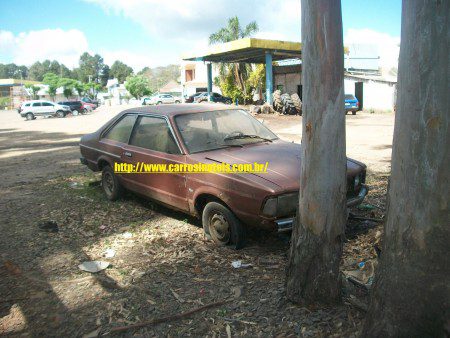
pixel 128 154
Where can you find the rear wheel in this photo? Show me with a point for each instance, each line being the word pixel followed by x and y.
pixel 158 103
pixel 353 113
pixel 110 184
pixel 75 112
pixel 222 226
pixel 60 113
pixel 177 101
pixel 29 116
pixel 84 111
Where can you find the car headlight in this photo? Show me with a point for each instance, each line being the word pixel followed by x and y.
pixel 283 205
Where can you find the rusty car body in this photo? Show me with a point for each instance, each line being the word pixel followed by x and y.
pixel 201 133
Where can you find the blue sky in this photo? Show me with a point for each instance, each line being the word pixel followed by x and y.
pixel 155 32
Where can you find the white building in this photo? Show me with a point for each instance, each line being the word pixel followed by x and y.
pixel 116 91
pixel 194 78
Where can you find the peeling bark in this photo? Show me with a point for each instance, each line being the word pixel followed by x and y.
pixel 411 296
pixel 316 244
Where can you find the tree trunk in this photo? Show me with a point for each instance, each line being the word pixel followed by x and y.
pixel 411 296
pixel 316 245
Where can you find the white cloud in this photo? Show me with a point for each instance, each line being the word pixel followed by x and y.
pixel 66 47
pixel 195 19
pixel 54 44
pixel 388 46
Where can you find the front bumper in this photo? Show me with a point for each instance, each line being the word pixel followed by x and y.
pixel 285 224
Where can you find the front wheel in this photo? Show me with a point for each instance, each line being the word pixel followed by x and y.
pixel 60 113
pixel 158 103
pixel 75 112
pixel 84 111
pixel 353 113
pixel 177 101
pixel 110 184
pixel 29 116
pixel 222 226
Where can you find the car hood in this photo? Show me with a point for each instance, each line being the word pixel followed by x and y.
pixel 283 159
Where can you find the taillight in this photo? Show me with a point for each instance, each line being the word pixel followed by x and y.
pixel 357 104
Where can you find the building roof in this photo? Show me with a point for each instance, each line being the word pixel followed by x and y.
pixel 16 82
pixel 171 86
pixel 249 50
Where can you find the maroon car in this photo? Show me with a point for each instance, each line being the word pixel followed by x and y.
pixel 189 134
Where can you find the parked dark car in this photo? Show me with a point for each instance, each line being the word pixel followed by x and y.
pixel 191 98
pixel 76 107
pixel 178 134
pixel 351 104
pixel 89 100
pixel 215 97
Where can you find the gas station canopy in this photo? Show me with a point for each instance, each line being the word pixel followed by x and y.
pixel 250 50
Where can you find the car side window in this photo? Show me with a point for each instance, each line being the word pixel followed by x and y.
pixel 27 105
pixel 153 133
pixel 121 131
pixel 36 104
pixel 47 104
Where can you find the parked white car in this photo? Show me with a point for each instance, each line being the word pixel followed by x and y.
pixel 160 99
pixel 31 109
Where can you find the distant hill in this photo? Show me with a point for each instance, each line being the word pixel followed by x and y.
pixel 159 76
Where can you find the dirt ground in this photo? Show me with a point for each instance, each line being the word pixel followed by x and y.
pixel 162 266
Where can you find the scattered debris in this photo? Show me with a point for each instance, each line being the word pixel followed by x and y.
pixel 49 226
pixel 237 291
pixel 363 276
pixel 228 329
pixel 92 334
pixel 109 253
pixel 93 266
pixel 240 265
pixel 169 318
pixel 127 235
pixel 177 296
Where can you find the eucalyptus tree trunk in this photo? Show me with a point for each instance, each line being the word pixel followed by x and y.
pixel 411 296
pixel 316 244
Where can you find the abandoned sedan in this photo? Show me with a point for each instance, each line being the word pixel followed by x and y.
pixel 209 134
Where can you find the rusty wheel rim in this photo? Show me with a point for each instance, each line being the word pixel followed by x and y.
pixel 108 183
pixel 219 229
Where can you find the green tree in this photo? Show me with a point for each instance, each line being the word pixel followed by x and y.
pixel 138 86
pixel 68 85
pixel 159 76
pixel 34 90
pixel 234 31
pixel 120 71
pixel 52 80
pixel 11 70
pixel 92 68
pixel 39 69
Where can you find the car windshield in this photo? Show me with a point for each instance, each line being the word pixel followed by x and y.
pixel 221 129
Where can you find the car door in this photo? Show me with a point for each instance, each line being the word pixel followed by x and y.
pixel 48 108
pixel 37 108
pixel 114 140
pixel 168 99
pixel 152 142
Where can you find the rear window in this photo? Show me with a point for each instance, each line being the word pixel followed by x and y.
pixel 349 97
pixel 121 131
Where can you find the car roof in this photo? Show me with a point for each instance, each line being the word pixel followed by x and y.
pixel 178 109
